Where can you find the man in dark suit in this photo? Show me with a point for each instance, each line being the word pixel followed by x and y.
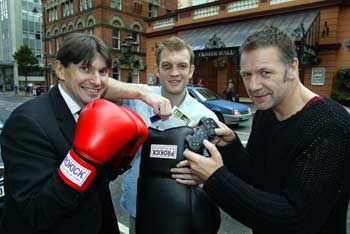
pixel 38 135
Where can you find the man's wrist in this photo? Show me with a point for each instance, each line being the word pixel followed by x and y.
pixel 142 94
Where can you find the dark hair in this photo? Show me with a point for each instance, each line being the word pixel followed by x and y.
pixel 79 47
pixel 271 37
pixel 174 44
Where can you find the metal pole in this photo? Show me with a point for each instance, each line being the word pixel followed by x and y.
pixel 47 80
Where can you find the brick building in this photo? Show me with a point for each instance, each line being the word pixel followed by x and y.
pixel 216 29
pixel 111 20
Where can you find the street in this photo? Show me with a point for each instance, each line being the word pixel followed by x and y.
pixel 8 102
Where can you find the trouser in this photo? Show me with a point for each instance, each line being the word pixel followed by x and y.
pixel 132 222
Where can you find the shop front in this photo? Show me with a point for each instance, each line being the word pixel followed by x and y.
pixel 217 47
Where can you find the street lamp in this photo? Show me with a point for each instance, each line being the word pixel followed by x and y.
pixel 128 48
pixel 43 37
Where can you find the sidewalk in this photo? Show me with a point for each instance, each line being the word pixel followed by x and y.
pixel 12 93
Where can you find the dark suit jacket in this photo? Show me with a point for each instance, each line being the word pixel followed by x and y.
pixel 35 139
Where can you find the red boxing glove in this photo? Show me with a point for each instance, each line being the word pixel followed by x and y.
pixel 124 156
pixel 102 130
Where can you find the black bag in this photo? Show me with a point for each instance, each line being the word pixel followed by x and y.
pixel 163 205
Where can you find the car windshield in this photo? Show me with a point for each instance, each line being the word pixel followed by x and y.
pixel 208 94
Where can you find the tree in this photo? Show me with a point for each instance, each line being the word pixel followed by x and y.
pixel 26 61
pixel 341 87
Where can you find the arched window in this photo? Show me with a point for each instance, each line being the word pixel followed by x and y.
pixel 80 26
pixel 64 29
pixel 70 28
pixel 91 21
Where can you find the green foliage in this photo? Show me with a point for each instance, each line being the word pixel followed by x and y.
pixel 26 61
pixel 341 87
pixel 311 59
pixel 25 57
pixel 124 60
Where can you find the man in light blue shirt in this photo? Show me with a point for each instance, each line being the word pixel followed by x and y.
pixel 174 67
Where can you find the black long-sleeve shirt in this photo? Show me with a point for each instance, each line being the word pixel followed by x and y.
pixel 293 176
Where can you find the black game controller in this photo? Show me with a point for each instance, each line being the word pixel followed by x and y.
pixel 204 131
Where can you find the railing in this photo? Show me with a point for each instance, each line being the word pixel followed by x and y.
pixel 205 12
pixel 242 5
pixel 163 22
pixel 272 2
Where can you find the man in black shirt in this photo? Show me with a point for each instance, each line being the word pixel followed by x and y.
pixel 293 175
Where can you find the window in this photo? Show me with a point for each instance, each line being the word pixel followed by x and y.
pixel 80 26
pixel 116 38
pixel 90 25
pixel 152 11
pixel 138 7
pixel 68 8
pixel 116 71
pixel 53 14
pixel 70 28
pixel 85 4
pixel 50 48
pixel 38 35
pixel 136 36
pixel 117 4
pixel 57 40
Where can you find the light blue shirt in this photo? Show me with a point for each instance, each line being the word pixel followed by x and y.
pixel 189 106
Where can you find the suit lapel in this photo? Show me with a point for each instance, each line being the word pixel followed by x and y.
pixel 63 115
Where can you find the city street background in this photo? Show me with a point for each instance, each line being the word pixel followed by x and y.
pixel 9 101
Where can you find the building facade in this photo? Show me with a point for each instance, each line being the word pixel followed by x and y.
pixel 114 21
pixel 216 29
pixel 20 23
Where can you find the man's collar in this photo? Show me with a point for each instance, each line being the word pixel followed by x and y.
pixel 72 105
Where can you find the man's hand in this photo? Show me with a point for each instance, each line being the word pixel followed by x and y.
pixel 183 174
pixel 118 90
pixel 223 135
pixel 202 166
pixel 161 105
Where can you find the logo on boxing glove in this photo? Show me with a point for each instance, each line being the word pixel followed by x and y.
pixel 77 174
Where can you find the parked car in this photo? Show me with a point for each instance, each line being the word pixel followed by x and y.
pixel 2 191
pixel 231 113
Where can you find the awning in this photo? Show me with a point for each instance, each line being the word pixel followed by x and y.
pixel 232 35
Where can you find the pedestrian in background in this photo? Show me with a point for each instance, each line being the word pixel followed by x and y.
pixel 229 91
pixel 200 83
pixel 293 176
